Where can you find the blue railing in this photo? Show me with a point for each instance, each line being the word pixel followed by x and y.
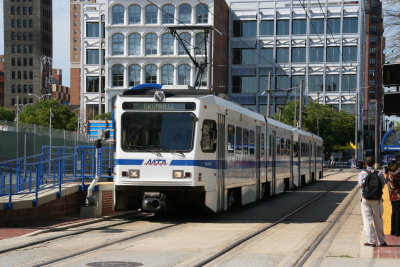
pixel 53 167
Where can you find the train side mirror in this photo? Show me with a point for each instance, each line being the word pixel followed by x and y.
pixel 106 134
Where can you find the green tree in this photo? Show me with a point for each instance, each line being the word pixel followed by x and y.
pixel 6 114
pixel 335 127
pixel 103 116
pixel 39 113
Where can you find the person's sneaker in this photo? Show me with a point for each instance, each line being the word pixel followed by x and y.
pixel 369 245
pixel 384 245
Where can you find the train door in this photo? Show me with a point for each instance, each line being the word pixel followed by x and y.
pixel 258 155
pixel 273 161
pixel 221 162
pixel 310 150
pixel 291 162
pixel 315 161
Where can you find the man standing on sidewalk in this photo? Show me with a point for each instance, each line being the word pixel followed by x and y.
pixel 372 182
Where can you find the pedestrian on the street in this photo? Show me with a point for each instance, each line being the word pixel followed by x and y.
pixel 393 181
pixel 372 182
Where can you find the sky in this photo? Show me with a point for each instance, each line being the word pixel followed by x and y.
pixel 60 37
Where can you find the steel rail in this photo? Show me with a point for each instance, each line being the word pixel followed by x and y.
pixel 265 228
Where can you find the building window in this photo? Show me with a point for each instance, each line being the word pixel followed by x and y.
pixel 282 55
pixel 267 27
pixel 151 13
pixel 332 83
pixel 295 82
pixel 184 74
pixel 200 43
pixel 350 25
pixel 349 82
pixel 167 74
pixel 333 54
pixel 333 26
pixel 282 27
pixel 201 13
pixel 244 28
pixel 134 44
pixel 282 82
pixel 244 56
pixel 349 53
pixel 372 61
pixel 186 40
pixel 298 54
pixel 13 88
pixel 117 44
pixel 267 56
pixel 92 84
pixel 372 40
pixel 244 84
pixel 372 51
pixel 92 29
pixel 118 14
pixel 373 29
pixel 316 54
pixel 371 73
pixel 167 44
pixel 134 13
pixel 134 75
pixel 150 73
pixel 299 26
pixel 92 56
pixel 168 14
pixel 185 14
pixel 151 44
pixel 118 75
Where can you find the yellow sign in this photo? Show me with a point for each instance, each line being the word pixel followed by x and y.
pixel 349 145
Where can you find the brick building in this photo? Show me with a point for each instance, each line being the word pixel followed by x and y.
pixel 28 50
pixel 59 92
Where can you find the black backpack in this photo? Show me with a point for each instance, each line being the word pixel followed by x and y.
pixel 372 187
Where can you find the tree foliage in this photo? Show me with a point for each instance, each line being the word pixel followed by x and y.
pixel 335 127
pixel 6 114
pixel 39 113
pixel 103 116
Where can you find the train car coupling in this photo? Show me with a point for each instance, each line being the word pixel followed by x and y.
pixel 153 201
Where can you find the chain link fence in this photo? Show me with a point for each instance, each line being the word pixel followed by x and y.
pixel 21 140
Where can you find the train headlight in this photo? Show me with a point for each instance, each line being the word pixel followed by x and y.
pixel 134 173
pixel 178 174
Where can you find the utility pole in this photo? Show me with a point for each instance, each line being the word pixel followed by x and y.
pixel 376 134
pixel 269 95
pixel 301 105
pixel 356 128
pixel 318 114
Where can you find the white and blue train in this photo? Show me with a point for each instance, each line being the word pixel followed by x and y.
pixel 183 148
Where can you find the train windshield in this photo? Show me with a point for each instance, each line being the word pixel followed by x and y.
pixel 157 132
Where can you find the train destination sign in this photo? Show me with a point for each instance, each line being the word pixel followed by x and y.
pixel 164 106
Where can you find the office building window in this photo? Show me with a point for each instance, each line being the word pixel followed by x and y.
pixel 372 51
pixel 316 54
pixel 282 82
pixel 295 82
pixel 185 14
pixel 150 73
pixel 134 44
pixel 298 54
pixel 333 54
pixel 200 43
pixel 92 29
pixel 118 75
pixel 151 13
pixel 332 83
pixel 244 84
pixel 244 56
pixel 168 14
pixel 167 74
pixel 186 39
pixel 282 55
pixel 167 44
pixel 372 40
pixel 118 14
pixel 184 74
pixel 267 27
pixel 117 44
pixel 202 13
pixel 317 26
pixel 349 82
pixel 267 56
pixel 282 27
pixel 349 53
pixel 92 84
pixel 372 61
pixel 299 26
pixel 31 75
pixel 151 44
pixel 134 75
pixel 350 25
pixel 243 28
pixel 315 83
pixel 333 26
pixel 134 13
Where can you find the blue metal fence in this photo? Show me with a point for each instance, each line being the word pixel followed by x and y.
pixel 55 166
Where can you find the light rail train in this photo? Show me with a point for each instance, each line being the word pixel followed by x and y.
pixel 188 149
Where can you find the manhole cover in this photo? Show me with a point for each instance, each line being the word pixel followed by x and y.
pixel 114 264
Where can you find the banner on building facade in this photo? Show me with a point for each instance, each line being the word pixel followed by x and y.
pixel 46 66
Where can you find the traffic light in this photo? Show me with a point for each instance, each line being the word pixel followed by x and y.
pixel 391 74
pixel 391 103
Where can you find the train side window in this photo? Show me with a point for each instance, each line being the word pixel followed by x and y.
pixel 278 146
pixel 262 144
pixel 238 140
pixel 209 136
pixel 231 138
pixel 270 146
pixel 245 141
pixel 283 146
pixel 295 149
pixel 288 147
pixel 251 144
